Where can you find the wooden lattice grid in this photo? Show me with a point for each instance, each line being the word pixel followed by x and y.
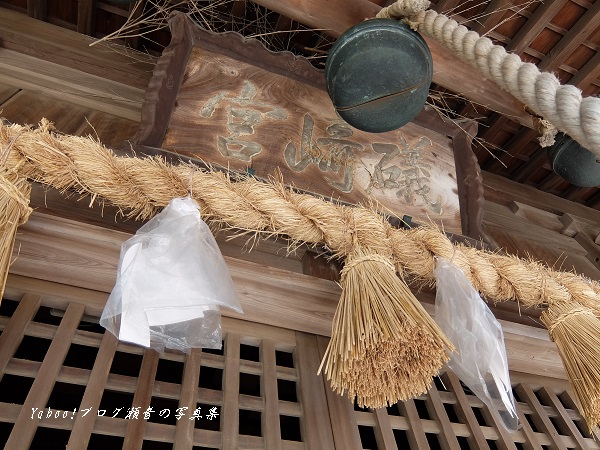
pixel 263 384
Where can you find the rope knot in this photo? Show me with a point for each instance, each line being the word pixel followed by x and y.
pixel 17 189
pixel 403 8
pixel 570 314
pixel 353 261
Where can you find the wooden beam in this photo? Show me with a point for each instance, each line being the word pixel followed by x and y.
pixel 383 430
pixel 70 49
pixel 341 411
pixel 271 429
pixel 136 425
pixel 85 17
pixel 316 427
pixel 83 426
pixel 26 72
pixel 51 249
pixel 336 16
pixel 184 432
pixel 38 9
pixel 573 39
pixel 230 418
pixel 13 333
pixel 534 25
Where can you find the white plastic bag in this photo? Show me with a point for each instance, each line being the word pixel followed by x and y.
pixel 171 281
pixel 480 358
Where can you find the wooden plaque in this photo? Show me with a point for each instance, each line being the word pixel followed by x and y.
pixel 228 101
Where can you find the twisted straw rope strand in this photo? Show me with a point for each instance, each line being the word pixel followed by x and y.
pixel 562 105
pixel 143 185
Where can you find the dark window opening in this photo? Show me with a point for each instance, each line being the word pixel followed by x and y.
pixel 401 438
pixel 33 348
pixel 66 397
pixel 367 437
pixel 422 409
pixel 211 378
pixel 249 352
pixel 250 423
pixel 210 417
pixel 128 364
pixel 169 371
pixel 284 359
pixel 115 403
pixel 14 389
pixel 164 410
pixel 249 384
pixel 215 351
pixel 433 441
pixel 393 410
pixel 290 428
pixel 286 391
pixel 45 315
pixel 50 438
pixel 451 413
pixel 463 442
pixel 81 356
pixel 8 307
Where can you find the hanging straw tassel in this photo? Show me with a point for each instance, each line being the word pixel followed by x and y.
pixel 384 346
pixel 576 332
pixel 14 210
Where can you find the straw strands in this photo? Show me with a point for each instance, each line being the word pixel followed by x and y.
pixel 575 330
pixel 141 186
pixel 369 350
pixel 14 209
pixel 384 347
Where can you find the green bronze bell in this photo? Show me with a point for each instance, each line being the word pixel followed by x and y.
pixel 573 162
pixel 378 75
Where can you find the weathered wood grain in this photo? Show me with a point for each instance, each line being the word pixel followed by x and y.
pixel 253 119
pixel 70 253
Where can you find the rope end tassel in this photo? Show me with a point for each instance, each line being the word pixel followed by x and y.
pixel 384 346
pixel 14 211
pixel 576 332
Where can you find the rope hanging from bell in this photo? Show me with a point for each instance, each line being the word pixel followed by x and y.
pixel 384 346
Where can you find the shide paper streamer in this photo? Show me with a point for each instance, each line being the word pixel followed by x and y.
pixel 171 281
pixel 480 358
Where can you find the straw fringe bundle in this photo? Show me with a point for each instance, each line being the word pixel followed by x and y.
pixel 384 347
pixel 14 210
pixel 576 332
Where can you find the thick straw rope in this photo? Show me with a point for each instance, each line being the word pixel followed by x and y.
pixel 143 185
pixel 562 105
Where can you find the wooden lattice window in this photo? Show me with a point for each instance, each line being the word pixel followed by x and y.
pixel 262 385
pixel 450 417
pixel 63 380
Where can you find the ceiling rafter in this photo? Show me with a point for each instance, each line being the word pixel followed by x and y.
pixel 588 73
pixel 534 25
pixel 573 39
